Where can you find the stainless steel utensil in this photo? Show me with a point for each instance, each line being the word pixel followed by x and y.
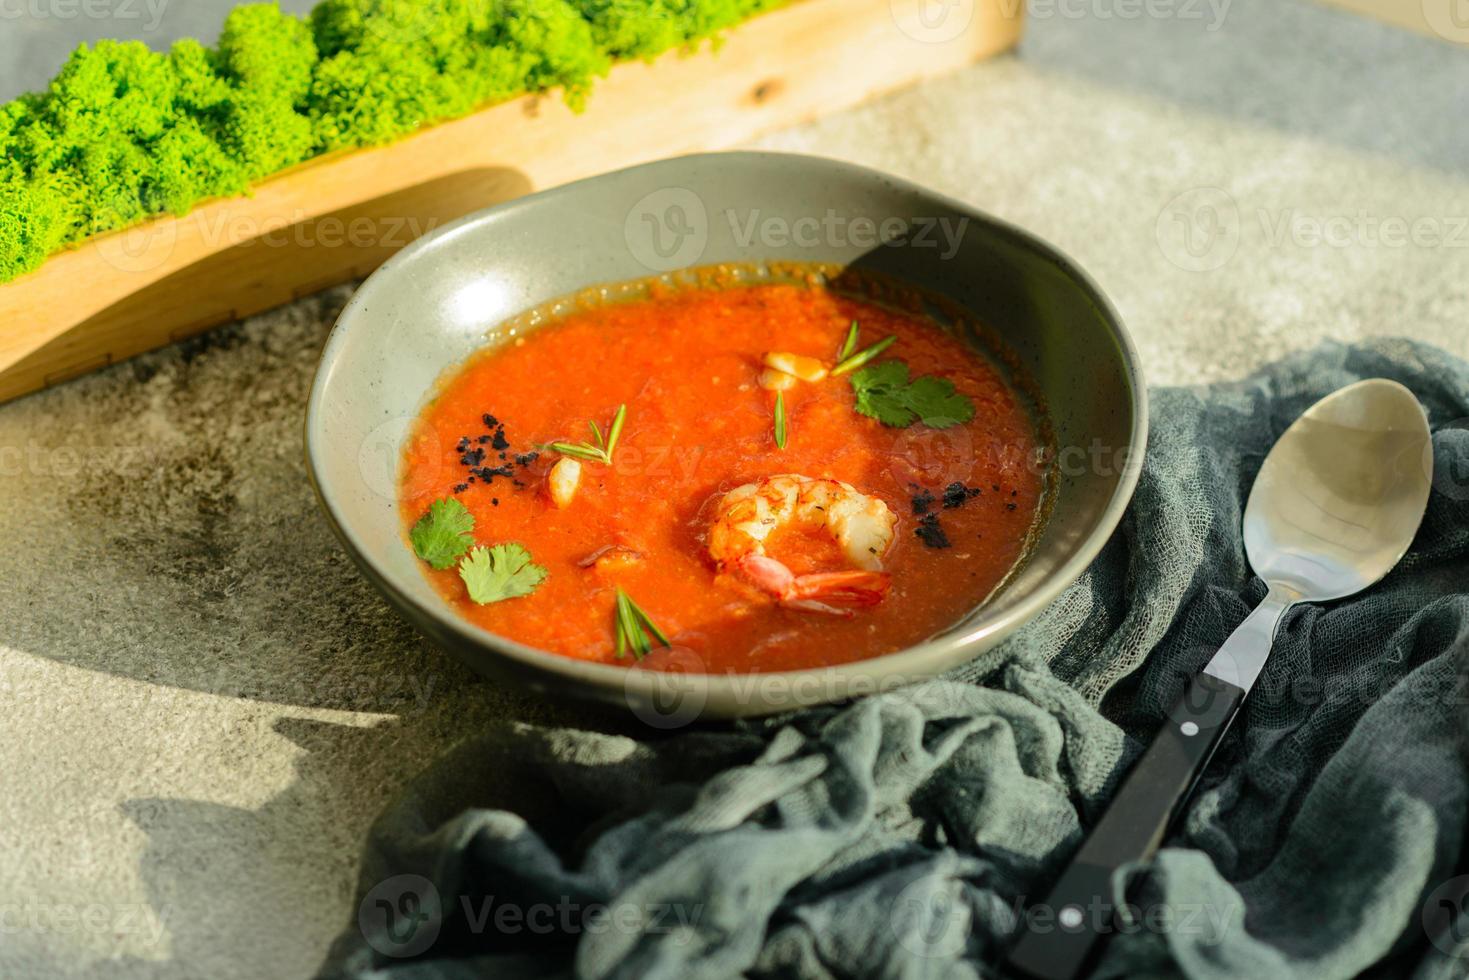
pixel 1334 507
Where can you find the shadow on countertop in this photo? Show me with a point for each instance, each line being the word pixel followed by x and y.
pixel 161 527
pixel 282 874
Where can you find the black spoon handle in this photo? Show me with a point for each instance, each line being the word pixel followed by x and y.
pixel 1059 937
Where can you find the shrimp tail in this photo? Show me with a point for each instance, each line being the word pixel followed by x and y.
pixel 811 605
pixel 859 588
pixel 766 574
pixel 823 592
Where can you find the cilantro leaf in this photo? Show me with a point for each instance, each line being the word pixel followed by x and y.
pixel 888 374
pixel 937 403
pixel 884 392
pixel 503 571
pixel 878 389
pixel 442 534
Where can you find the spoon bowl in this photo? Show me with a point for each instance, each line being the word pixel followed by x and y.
pixel 1342 493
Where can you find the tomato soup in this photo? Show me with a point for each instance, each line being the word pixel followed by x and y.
pixel 690 367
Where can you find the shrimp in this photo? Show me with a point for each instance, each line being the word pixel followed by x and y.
pixel 861 525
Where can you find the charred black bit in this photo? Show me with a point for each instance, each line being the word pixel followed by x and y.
pixel 495 501
pixel 930 533
pixel 1010 506
pixel 956 493
pixel 488 473
pixel 473 451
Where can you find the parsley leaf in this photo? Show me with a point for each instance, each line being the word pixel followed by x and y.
pixel 938 405
pixel 884 392
pixel 503 571
pixel 443 533
pixel 875 387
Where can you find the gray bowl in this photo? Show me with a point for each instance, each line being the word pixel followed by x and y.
pixel 441 298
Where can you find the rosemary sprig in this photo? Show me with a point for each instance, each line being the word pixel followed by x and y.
pixel 854 361
pixel 850 344
pixel 636 630
pixel 780 420
pixel 601 449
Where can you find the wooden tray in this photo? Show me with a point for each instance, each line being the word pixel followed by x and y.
pixel 337 218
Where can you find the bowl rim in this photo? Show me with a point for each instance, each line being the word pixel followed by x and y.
pixel 913 662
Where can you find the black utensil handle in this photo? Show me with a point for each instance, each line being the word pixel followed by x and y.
pixel 1060 935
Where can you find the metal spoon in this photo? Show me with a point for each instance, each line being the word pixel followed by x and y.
pixel 1334 508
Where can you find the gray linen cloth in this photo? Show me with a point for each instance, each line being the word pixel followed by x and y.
pixel 905 835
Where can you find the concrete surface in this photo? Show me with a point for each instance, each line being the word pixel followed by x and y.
pixel 204 705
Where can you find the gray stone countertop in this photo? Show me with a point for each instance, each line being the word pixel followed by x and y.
pixel 204 705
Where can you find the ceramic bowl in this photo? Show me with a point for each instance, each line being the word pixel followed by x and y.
pixel 442 298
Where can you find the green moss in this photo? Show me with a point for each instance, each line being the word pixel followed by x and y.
pixel 267 58
pixel 34 222
pixel 396 67
pixel 268 53
pixel 123 133
pixel 645 28
pixel 189 165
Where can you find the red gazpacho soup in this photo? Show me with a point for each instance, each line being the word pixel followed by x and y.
pixel 724 476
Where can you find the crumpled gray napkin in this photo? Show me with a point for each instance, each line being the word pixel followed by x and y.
pixel 904 835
